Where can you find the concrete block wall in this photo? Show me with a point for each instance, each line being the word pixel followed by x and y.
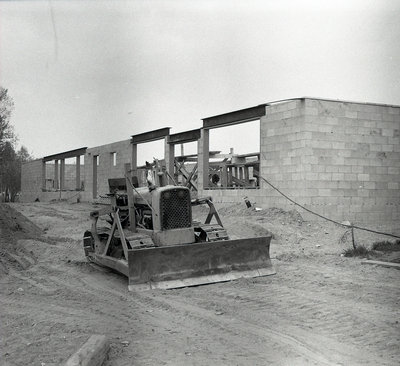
pixel 31 180
pixel 282 145
pixel 105 168
pixel 282 148
pixel 340 159
pixel 352 160
pixel 69 176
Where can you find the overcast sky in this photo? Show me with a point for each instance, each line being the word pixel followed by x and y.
pixel 87 73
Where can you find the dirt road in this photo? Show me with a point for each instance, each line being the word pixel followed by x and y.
pixel 319 309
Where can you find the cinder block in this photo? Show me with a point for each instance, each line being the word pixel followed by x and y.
pixel 388 117
pixel 369 185
pixel 363 177
pixel 363 193
pixel 388 132
pixel 338 145
pixel 357 169
pixel 311 192
pixel 344 184
pixel 310 103
pixel 356 208
pixel 332 169
pixel 387 148
pixel 312 176
pixel 311 111
pixel 344 169
pixel 381 170
pixel 338 176
pixel 298 144
pixel 324 192
pixel 325 176
pixel 350 176
pixel 350 114
pixel 394 140
pixel 393 110
pixel 393 170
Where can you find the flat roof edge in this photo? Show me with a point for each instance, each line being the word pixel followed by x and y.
pixel 333 100
pixel 66 154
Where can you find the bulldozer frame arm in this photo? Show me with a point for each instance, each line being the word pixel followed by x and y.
pixel 212 212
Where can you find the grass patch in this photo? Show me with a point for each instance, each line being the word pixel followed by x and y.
pixel 359 251
pixel 386 246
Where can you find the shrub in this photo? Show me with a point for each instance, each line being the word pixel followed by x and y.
pixel 386 246
pixel 359 251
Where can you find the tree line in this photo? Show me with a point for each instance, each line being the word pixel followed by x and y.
pixel 11 159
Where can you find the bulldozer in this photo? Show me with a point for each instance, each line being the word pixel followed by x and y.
pixel 150 237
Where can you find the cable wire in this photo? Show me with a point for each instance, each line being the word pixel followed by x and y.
pixel 326 218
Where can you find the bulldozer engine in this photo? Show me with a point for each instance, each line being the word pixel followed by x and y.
pixel 163 247
pixel 165 214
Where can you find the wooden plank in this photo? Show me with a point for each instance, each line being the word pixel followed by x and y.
pixel 239 182
pixel 382 264
pixel 92 353
pixel 188 177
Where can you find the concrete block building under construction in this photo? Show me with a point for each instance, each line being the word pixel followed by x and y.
pixel 338 158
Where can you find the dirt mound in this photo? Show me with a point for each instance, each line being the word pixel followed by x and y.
pixel 13 227
pixel 16 226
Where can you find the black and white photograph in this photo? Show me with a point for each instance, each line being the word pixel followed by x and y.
pixel 199 182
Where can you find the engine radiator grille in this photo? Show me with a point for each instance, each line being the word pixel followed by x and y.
pixel 175 209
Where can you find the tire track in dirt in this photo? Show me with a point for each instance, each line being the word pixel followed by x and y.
pixel 162 315
pixel 314 311
pixel 282 343
pixel 228 335
pixel 152 313
pixel 317 312
pixel 327 318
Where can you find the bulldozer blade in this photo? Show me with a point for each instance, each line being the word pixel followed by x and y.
pixel 198 263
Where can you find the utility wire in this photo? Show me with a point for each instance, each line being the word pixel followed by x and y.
pixel 326 218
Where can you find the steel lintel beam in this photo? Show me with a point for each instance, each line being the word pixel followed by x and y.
pixel 66 154
pixel 231 118
pixel 150 136
pixel 183 137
